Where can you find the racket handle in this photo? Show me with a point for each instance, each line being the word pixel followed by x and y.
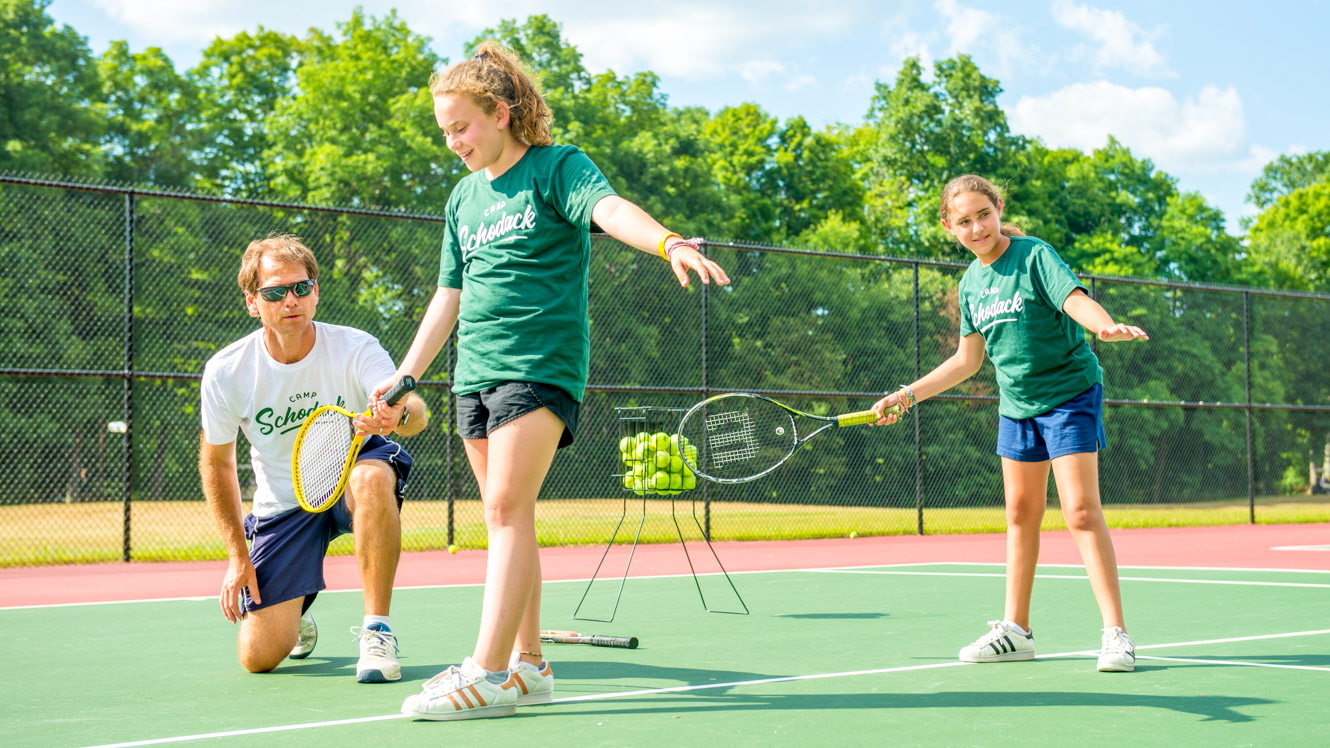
pixel 399 390
pixel 862 417
pixel 623 642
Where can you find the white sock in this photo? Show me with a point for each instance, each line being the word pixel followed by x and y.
pixel 382 620
pixel 1016 628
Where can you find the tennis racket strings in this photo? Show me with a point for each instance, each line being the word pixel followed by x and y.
pixel 737 437
pixel 322 458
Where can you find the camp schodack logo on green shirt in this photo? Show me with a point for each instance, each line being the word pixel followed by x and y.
pixel 519 249
pixel 1040 354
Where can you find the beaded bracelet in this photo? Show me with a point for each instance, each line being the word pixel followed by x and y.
pixel 661 247
pixel 909 394
pixel 669 253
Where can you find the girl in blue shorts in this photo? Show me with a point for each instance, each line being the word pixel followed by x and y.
pixel 513 278
pixel 1022 306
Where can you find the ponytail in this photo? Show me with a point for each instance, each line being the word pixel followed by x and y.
pixel 496 75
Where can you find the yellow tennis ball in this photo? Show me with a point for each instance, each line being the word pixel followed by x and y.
pixel 626 445
pixel 644 450
pixel 452 548
pixel 676 481
pixel 663 459
pixel 689 481
pixel 628 481
pixel 853 534
pixel 675 444
pixel 660 481
pixel 662 441
pixel 676 465
pixel 642 436
pixel 690 452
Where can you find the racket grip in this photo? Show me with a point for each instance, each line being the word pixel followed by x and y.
pixel 856 419
pixel 399 390
pixel 623 642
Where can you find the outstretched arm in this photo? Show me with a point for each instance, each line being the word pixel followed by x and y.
pixel 962 365
pixel 632 226
pixel 1089 314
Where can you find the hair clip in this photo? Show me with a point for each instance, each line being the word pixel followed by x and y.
pixel 481 56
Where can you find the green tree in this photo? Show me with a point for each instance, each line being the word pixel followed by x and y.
pixel 239 83
pixel 360 130
pixel 153 131
pixel 1287 174
pixel 1290 242
pixel 48 78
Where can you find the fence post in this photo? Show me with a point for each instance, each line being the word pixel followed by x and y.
pixel 918 413
pixel 1246 360
pixel 450 479
pixel 706 392
pixel 129 368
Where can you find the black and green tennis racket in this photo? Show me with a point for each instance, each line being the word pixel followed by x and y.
pixel 739 436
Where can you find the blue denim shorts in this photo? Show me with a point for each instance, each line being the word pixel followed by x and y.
pixel 287 549
pixel 479 413
pixel 1074 426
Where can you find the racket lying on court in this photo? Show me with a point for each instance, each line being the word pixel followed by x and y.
pixel 572 637
pixel 739 436
pixel 326 450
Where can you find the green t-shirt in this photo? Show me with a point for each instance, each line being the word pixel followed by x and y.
pixel 518 247
pixel 1040 353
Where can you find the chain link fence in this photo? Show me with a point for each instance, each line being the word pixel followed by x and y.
pixel 116 297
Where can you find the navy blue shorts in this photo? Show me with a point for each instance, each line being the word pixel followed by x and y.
pixel 1074 426
pixel 479 413
pixel 287 549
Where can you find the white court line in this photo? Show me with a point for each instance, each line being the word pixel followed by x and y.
pixel 1301 548
pixel 708 574
pixel 1060 576
pixel 757 681
pixel 1235 662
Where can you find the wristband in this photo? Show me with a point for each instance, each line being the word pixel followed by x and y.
pixel 661 247
pixel 909 394
pixel 669 253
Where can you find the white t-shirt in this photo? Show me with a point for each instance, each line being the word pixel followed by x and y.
pixel 244 388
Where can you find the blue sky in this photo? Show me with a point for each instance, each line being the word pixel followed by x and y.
pixel 1209 91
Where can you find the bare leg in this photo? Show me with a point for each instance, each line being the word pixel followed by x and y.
pixel 1026 486
pixel 510 467
pixel 377 527
pixel 268 634
pixel 1077 479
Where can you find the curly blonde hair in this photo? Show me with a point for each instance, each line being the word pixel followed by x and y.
pixel 493 75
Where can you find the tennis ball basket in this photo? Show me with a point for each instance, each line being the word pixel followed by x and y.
pixel 654 456
pixel 655 460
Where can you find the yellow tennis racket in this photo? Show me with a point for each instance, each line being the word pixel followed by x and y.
pixel 326 450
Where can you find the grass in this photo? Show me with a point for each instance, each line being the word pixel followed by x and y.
pixel 35 534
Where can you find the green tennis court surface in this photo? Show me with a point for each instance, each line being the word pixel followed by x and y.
pixel 860 656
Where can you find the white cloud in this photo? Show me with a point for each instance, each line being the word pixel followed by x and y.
pixel 994 39
pixel 1119 43
pixel 758 72
pixel 171 21
pixel 1206 133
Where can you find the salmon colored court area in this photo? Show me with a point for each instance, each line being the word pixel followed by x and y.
pixel 1244 546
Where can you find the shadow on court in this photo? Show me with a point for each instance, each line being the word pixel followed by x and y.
pixel 1211 707
pixel 835 616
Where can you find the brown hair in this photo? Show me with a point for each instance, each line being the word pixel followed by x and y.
pixel 493 75
pixel 974 183
pixel 281 247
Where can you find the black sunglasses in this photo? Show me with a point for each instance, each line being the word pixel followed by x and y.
pixel 278 293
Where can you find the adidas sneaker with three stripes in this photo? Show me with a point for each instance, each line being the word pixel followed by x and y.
pixel 1001 644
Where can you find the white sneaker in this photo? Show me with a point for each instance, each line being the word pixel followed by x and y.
pixel 1118 654
pixel 309 636
pixel 378 656
pixel 536 685
pixel 1002 644
pixel 463 692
